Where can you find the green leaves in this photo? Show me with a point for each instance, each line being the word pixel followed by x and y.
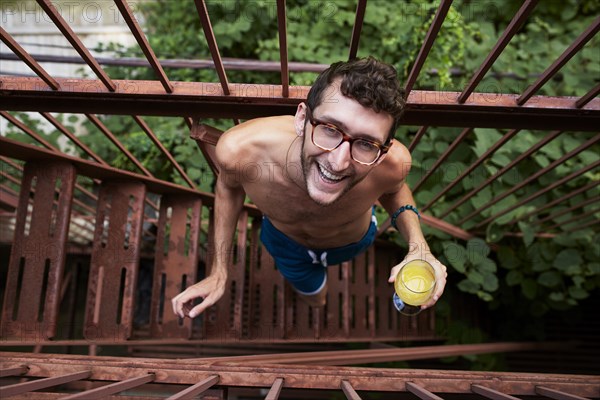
pixel 473 262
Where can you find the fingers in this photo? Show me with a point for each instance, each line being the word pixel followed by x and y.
pixel 182 303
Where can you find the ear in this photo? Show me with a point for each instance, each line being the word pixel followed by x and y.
pixel 300 119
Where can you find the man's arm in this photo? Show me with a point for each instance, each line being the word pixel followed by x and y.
pixel 229 200
pixel 409 227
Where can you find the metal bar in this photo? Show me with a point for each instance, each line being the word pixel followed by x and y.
pixel 575 218
pixel 283 52
pixel 349 391
pixel 556 394
pixel 573 193
pixel 27 130
pixel 440 160
pixel 96 121
pixel 137 32
pixel 182 372
pixel 549 137
pixel 436 223
pixel 202 99
pixel 212 44
pixel 196 389
pixel 22 370
pixel 28 59
pixel 536 175
pixel 491 393
pixel 62 25
pixel 472 166
pixel 113 388
pixel 434 29
pixel 163 150
pixel 563 212
pixel 352 357
pixel 361 6
pixel 583 226
pixel 512 28
pixel 235 64
pixel 421 392
pixel 73 138
pixel 538 193
pixel 586 98
pixel 24 387
pixel 417 137
pixel 560 61
pixel 275 389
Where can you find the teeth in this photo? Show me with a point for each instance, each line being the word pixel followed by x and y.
pixel 329 175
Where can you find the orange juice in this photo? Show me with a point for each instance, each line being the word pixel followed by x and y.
pixel 415 282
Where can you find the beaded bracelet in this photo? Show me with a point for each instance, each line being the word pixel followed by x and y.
pixel 401 210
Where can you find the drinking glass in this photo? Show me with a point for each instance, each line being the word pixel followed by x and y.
pixel 414 286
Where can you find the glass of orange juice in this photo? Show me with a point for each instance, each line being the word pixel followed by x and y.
pixel 414 286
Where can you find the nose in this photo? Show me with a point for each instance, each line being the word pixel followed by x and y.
pixel 341 158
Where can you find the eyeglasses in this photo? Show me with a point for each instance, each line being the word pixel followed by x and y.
pixel 329 137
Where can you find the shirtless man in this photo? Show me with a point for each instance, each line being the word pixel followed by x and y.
pixel 322 171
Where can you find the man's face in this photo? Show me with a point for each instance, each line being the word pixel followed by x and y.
pixel 330 174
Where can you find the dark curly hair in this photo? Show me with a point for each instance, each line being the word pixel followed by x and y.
pixel 372 83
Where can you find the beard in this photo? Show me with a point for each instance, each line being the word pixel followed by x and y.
pixel 307 163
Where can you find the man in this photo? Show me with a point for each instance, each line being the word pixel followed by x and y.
pixel 323 170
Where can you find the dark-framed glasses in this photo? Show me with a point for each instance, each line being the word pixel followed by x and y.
pixel 329 137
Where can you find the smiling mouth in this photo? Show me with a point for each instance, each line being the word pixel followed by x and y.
pixel 329 176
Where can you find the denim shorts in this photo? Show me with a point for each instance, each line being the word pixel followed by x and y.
pixel 305 268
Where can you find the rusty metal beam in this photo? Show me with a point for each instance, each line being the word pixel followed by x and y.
pixel 28 59
pixel 275 389
pixel 137 32
pixel 104 391
pixel 586 98
pixel 201 99
pixel 581 40
pixel 77 44
pixel 505 138
pixel 142 124
pixel 359 17
pixel 509 32
pixel 349 391
pixel 198 388
pixel 535 176
pixel 24 387
pixel 418 136
pixel 212 44
pixel 283 52
pixel 547 139
pixel 556 394
pixel 297 376
pixel 440 160
pixel 421 392
pixel 432 33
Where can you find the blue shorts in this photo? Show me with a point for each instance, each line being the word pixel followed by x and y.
pixel 305 268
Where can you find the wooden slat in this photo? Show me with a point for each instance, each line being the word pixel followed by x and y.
pixel 112 388
pixel 421 392
pixel 357 28
pixel 77 44
pixel 586 98
pixel 196 389
pixel 283 52
pixel 275 389
pixel 19 388
pixel 491 393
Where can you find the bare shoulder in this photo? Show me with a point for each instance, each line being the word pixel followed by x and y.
pixel 254 139
pixel 394 168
